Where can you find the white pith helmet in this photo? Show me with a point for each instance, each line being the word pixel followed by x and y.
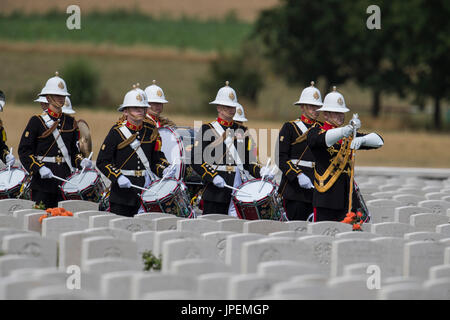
pixel 56 86
pixel 67 107
pixel 334 102
pixel 240 114
pixel 226 96
pixel 310 95
pixel 42 99
pixel 155 94
pixel 136 97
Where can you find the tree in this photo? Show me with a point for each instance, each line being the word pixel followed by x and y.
pixel 305 40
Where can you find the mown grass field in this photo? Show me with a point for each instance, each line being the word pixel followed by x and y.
pixel 401 149
pixel 126 29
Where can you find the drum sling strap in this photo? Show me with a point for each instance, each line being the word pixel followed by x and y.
pixel 136 146
pixel 59 141
pixel 334 170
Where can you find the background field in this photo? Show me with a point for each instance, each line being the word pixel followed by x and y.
pixel 174 41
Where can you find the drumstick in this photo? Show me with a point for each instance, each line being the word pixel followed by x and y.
pixel 137 187
pixel 9 167
pixel 64 180
pixel 232 188
pixel 165 176
pixel 89 158
pixel 263 177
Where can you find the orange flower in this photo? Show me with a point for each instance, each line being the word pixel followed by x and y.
pixel 49 210
pixel 347 220
pixel 41 218
pixel 356 226
pixel 70 214
pixel 359 214
pixel 351 214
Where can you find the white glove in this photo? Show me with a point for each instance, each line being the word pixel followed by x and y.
pixel 334 135
pixel 10 160
pixel 219 182
pixel 304 181
pixel 86 163
pixel 357 143
pixel 123 182
pixel 45 173
pixel 265 171
pixel 170 171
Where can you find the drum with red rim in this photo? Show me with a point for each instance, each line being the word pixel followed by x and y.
pixel 168 196
pixel 12 181
pixel 87 186
pixel 258 200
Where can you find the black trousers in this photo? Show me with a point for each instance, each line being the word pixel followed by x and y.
pixel 298 210
pixel 210 207
pixel 326 214
pixel 50 200
pixel 123 210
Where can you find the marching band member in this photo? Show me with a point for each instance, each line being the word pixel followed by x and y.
pixel 296 160
pixel 130 154
pixel 332 145
pixel 6 157
pixel 48 147
pixel 222 153
pixel 156 101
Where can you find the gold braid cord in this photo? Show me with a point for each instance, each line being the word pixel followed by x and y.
pixel 334 170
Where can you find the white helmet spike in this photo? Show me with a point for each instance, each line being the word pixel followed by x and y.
pixel 226 96
pixel 334 102
pixel 310 95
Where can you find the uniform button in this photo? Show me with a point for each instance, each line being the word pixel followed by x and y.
pixel 139 167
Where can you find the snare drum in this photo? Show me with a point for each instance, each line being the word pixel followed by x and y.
pixel 169 196
pixel 257 200
pixel 86 186
pixel 11 182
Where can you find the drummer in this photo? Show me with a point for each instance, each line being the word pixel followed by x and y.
pixel 156 101
pixel 214 159
pixel 131 155
pixel 48 146
pixel 296 160
pixel 7 158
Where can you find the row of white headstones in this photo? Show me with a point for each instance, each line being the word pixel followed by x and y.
pixel 404 253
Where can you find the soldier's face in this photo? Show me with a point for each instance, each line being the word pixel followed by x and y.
pixel 135 114
pixel 156 107
pixel 310 111
pixel 336 118
pixel 226 113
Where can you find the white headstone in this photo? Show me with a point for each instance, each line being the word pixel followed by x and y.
pixel 427 221
pixel 264 226
pixel 350 251
pixel 166 223
pixel 382 210
pixel 443 229
pixel 109 264
pixel 152 215
pixel 182 249
pixel 198 225
pixel 249 286
pixel 58 293
pixel 8 206
pixel 437 206
pixel 233 225
pixel 32 246
pixel 216 217
pixel 144 242
pixel 328 228
pixel 351 288
pixel 234 248
pixel 52 227
pixel 155 282
pixel 11 262
pixel 436 195
pixel 117 285
pixel 78 205
pixel 31 222
pixel 392 255
pixel 219 239
pixel 301 226
pixel 392 229
pixel 285 269
pixel 214 286
pixel 89 213
pixel 419 256
pixel 355 235
pixel 195 267
pixel 424 236
pixel 20 215
pixel 403 291
pixel 132 224
pixel 408 200
pixel 8 221
pixel 8 231
pixel 163 236
pixel 402 214
pixel 101 221
pixel 437 289
pixel 441 271
pixel 107 247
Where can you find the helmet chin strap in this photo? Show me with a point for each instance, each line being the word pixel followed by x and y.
pixel 53 102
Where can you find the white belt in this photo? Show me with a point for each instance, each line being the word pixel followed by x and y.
pixel 133 173
pixel 57 159
pixel 226 168
pixel 309 164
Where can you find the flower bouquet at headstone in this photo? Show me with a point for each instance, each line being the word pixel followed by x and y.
pixel 355 219
pixel 55 212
